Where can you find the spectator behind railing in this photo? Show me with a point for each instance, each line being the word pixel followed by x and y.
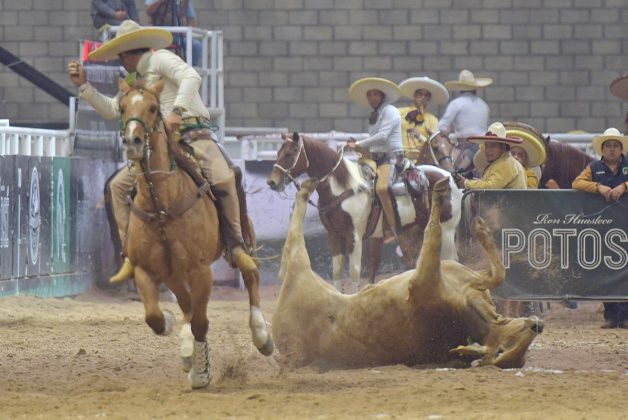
pixel 113 12
pixel 608 177
pixel 175 13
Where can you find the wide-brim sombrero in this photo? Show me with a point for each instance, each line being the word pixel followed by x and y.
pixel 610 134
pixel 357 91
pixel 131 36
pixel 496 133
pixel 467 81
pixel 439 93
pixel 532 142
pixel 619 87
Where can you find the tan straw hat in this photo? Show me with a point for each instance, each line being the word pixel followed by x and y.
pixel 467 81
pixel 131 36
pixel 532 141
pixel 357 91
pixel 619 87
pixel 496 133
pixel 610 134
pixel 439 93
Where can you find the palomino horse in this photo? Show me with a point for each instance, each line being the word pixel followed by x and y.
pixel 173 233
pixel 345 197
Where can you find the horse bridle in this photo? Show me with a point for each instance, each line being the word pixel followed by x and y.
pixel 287 172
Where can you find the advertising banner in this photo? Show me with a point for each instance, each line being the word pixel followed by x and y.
pixel 554 243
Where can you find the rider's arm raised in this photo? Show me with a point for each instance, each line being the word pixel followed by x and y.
pixel 105 106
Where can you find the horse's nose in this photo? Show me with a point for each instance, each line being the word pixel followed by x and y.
pixel 272 184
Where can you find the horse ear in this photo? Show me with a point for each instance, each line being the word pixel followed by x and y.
pixel 284 136
pixel 123 85
pixel 158 86
pixel 295 137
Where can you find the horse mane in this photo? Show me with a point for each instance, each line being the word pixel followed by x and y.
pixel 564 163
pixel 324 158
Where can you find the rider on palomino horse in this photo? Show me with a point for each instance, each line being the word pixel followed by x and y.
pixel 417 125
pixel 384 141
pixel 465 116
pixel 183 106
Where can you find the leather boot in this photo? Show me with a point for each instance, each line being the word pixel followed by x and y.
pixel 126 272
pixel 242 260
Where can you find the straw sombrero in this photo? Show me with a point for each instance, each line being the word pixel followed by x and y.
pixel 131 36
pixel 610 134
pixel 467 81
pixel 357 91
pixel 532 141
pixel 619 87
pixel 439 92
pixel 496 133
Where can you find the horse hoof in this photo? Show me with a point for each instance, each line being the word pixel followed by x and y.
pixel 267 349
pixel 199 380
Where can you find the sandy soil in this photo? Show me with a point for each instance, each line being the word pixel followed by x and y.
pixel 93 356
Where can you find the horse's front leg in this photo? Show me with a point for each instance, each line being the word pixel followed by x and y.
pixel 177 284
pixel 160 322
pixel 355 261
pixel 261 337
pixel 200 285
pixel 337 268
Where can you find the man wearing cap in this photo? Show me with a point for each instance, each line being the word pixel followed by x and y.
pixel 608 177
pixel 417 125
pixel 184 110
pixel 502 170
pixel 384 141
pixel 467 115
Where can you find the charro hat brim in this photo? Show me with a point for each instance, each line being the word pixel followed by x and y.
pixel 480 82
pixel 439 93
pixel 532 141
pixel 135 39
pixel 619 87
pixel 357 91
pixel 598 141
pixel 512 141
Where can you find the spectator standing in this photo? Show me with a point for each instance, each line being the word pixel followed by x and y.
pixel 467 115
pixel 417 125
pixel 113 12
pixel 608 177
pixel 175 13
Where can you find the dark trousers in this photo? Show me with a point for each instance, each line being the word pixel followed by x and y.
pixel 616 311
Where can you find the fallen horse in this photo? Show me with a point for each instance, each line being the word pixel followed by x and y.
pixel 438 312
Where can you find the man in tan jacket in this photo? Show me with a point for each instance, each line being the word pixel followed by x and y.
pixel 185 112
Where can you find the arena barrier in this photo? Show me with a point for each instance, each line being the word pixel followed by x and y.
pixel 555 244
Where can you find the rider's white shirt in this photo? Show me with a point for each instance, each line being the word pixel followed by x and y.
pixel 385 134
pixel 466 116
pixel 182 84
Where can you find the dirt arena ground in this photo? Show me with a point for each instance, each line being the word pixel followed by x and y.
pixel 93 357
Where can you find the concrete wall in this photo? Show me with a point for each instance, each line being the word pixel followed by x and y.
pixel 290 62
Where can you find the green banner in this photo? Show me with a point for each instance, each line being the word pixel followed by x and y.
pixel 60 215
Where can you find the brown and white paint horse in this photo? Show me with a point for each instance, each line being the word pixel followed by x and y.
pixel 345 199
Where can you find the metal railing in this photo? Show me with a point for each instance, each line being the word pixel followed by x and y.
pixel 33 141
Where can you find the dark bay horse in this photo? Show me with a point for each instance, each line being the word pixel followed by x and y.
pixel 173 233
pixel 345 197
pixel 563 164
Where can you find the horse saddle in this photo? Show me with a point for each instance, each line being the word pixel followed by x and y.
pixel 409 180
